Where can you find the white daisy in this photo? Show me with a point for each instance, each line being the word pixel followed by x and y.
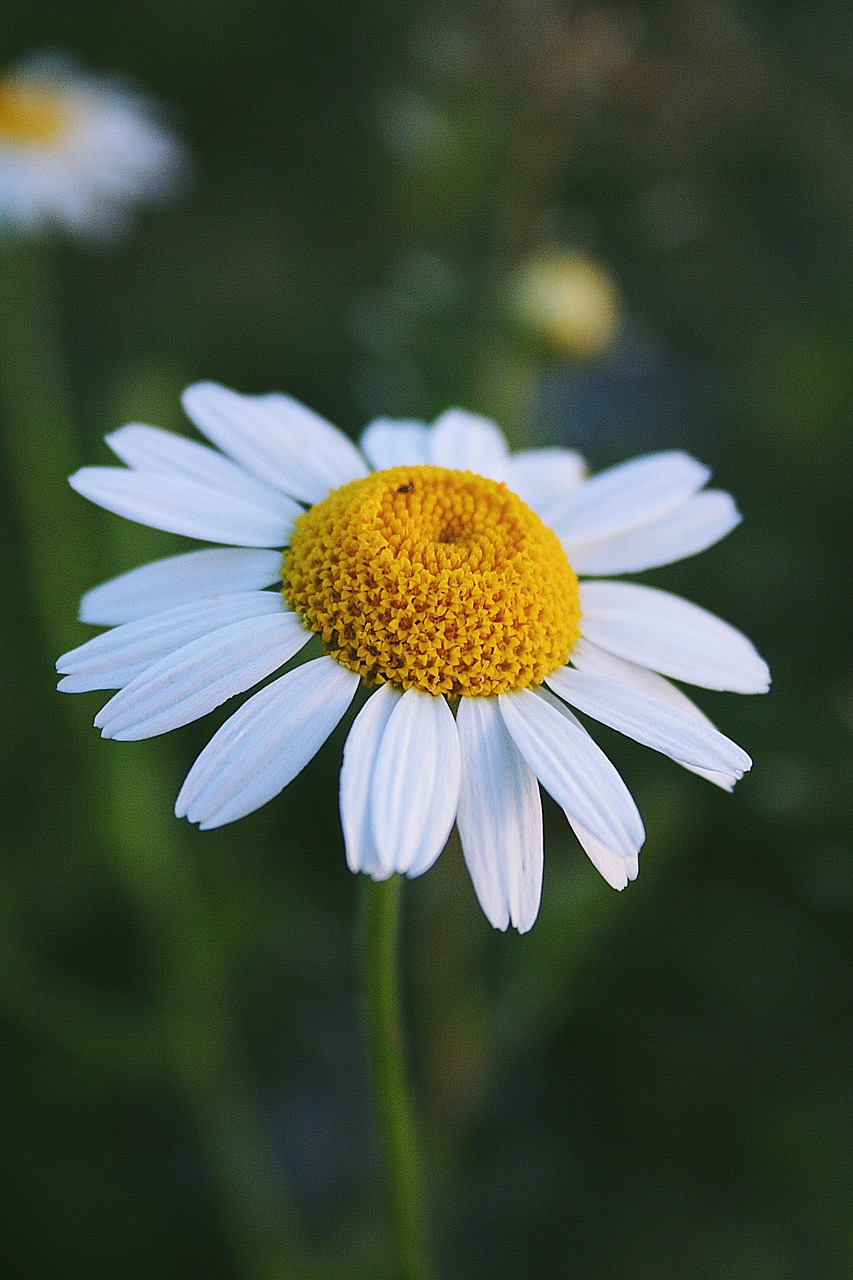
pixel 439 570
pixel 77 150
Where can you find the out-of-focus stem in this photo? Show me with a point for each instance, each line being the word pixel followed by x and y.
pixel 196 1046
pixel 39 437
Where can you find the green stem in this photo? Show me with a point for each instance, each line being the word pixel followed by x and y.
pixel 398 1141
pixel 197 1043
pixel 40 440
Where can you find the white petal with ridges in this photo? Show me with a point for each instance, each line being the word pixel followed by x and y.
pixel 360 752
pixel 186 507
pixel 414 787
pixel 626 497
pixel 648 720
pixel 572 768
pixel 335 459
pixel 395 443
pixel 544 477
pixel 692 527
pixel 670 635
pixel 589 657
pixel 179 580
pixel 192 681
pixel 276 438
pixel 464 441
pixel 151 449
pixel 499 817
pixel 113 659
pixel 266 743
pixel 616 870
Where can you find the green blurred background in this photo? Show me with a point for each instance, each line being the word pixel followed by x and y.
pixel 651 1085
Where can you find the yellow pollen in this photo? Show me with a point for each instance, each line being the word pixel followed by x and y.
pixel 31 114
pixel 436 580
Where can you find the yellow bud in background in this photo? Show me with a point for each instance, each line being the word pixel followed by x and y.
pixel 567 302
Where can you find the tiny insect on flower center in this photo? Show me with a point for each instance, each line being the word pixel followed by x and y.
pixel 436 580
pixel 31 114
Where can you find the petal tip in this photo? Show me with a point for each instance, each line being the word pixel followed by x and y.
pixel 522 926
pixel 760 680
pixel 197 392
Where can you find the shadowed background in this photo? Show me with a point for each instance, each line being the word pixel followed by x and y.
pixel 651 1084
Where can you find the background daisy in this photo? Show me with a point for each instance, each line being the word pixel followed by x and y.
pixel 77 150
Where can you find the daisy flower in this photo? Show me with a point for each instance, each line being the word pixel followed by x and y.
pixel 76 150
pixel 441 573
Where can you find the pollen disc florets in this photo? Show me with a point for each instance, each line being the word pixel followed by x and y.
pixel 30 113
pixel 434 579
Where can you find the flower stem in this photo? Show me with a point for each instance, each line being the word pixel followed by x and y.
pixel 191 1038
pixel 40 439
pixel 398 1140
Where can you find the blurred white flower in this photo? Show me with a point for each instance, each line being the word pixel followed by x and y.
pixel 438 566
pixel 77 151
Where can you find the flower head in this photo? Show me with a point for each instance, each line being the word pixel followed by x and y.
pixel 77 150
pixel 442 573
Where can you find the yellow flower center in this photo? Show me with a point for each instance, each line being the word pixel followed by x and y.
pixel 436 580
pixel 31 114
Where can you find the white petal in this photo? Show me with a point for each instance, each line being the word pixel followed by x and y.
pixel 572 768
pixel 692 527
pixel 414 788
pixel 178 580
pixel 150 449
pixel 360 752
pixel 334 457
pixel 266 743
pixel 544 477
pixel 277 438
pixel 627 496
pixel 589 657
pixel 389 443
pixel 113 659
pixel 646 719
pixel 670 635
pixel 617 871
pixel 200 676
pixel 499 818
pixel 465 442
pixel 185 507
